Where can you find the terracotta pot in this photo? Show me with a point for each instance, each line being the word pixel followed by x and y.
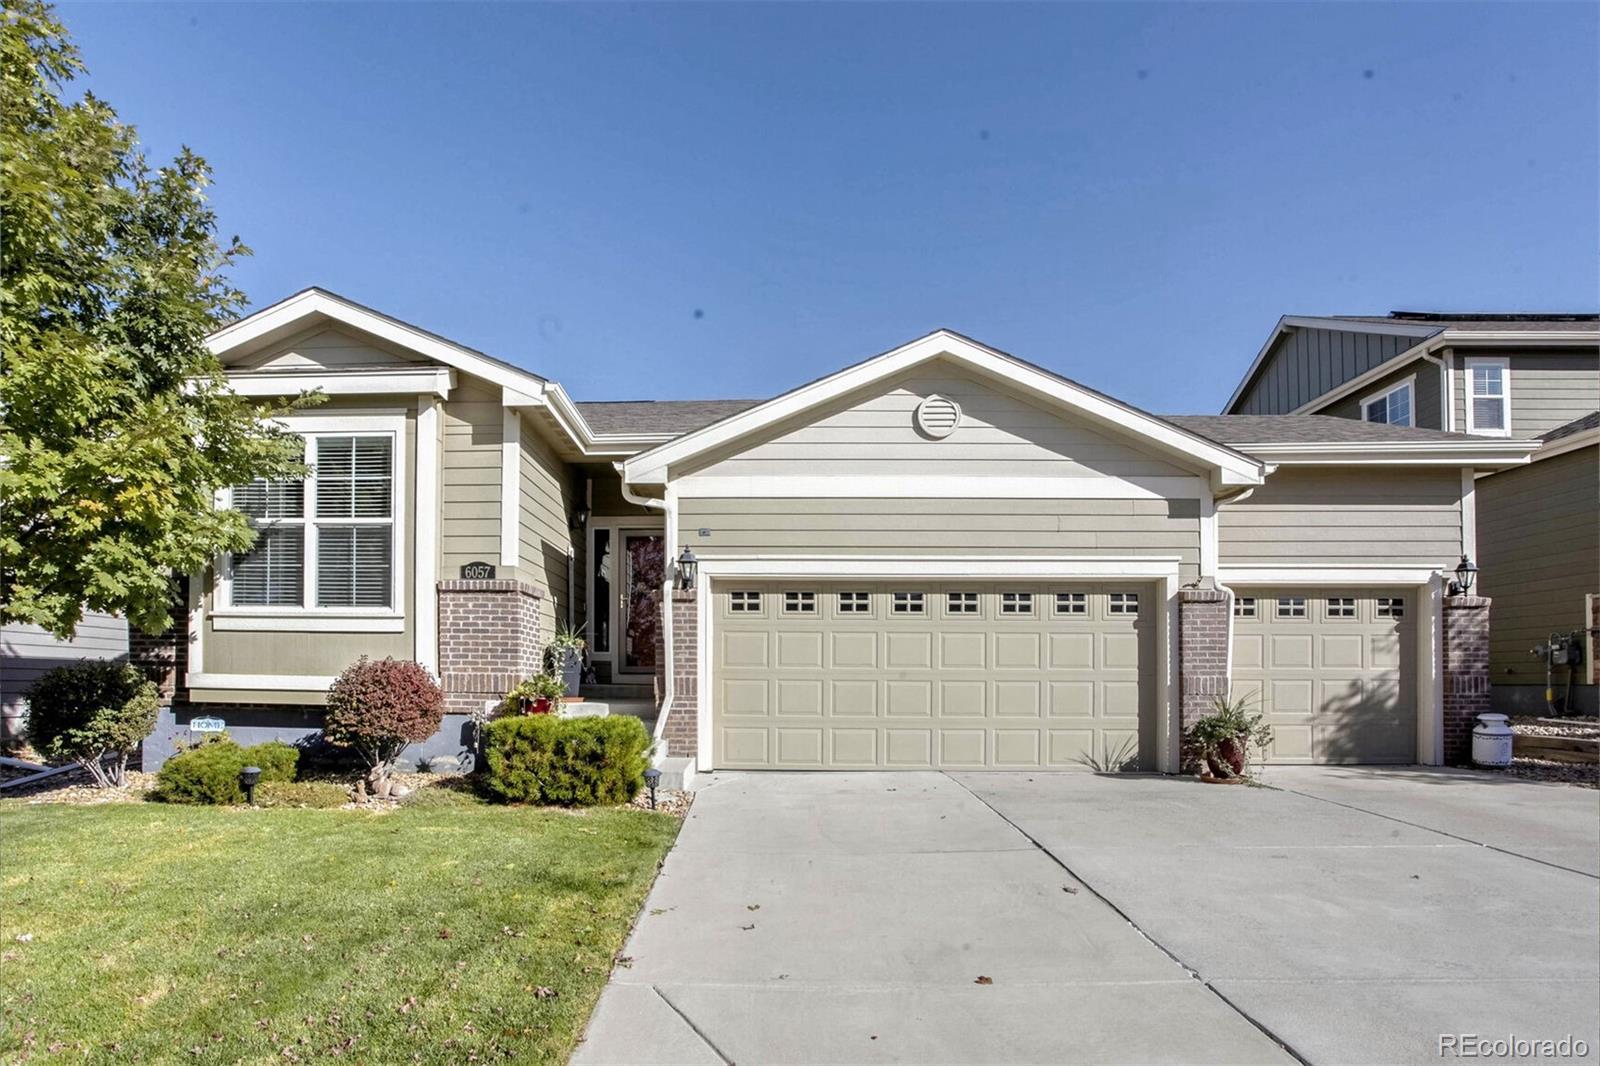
pixel 542 705
pixel 1229 758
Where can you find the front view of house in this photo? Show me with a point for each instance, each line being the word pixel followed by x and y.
pixel 941 557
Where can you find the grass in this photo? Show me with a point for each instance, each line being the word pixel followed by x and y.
pixel 448 932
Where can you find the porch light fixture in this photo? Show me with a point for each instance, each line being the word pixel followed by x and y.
pixel 652 778
pixel 1466 574
pixel 580 519
pixel 688 569
pixel 248 778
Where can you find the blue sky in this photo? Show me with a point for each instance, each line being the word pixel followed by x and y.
pixel 725 201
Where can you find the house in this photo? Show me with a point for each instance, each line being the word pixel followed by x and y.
pixel 1494 376
pixel 27 651
pixel 942 556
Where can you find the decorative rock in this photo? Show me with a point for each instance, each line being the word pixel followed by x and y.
pixel 397 790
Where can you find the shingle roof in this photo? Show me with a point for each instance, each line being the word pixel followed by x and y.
pixel 659 416
pixel 1476 322
pixel 1245 430
pixel 1577 425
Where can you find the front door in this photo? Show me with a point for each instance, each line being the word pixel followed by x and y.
pixel 644 570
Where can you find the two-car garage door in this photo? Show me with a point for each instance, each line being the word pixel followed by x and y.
pixel 917 675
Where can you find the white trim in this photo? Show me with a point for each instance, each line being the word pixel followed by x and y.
pixel 1430 674
pixel 615 526
pixel 1504 363
pixel 322 621
pixel 353 423
pixel 1480 452
pixel 1328 575
pixel 1229 467
pixel 1209 538
pixel 424 593
pixel 1410 385
pixel 266 682
pixel 197 623
pixel 1449 410
pixel 1570 443
pixel 424 381
pixel 511 487
pixel 936 567
pixel 1469 514
pixel 699 486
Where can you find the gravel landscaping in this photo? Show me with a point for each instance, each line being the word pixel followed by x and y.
pixel 1574 768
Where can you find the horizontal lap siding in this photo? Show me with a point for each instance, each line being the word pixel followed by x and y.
pixel 1548 389
pixel 1539 549
pixel 330 349
pixel 549 496
pixel 1376 517
pixel 1425 412
pixel 1305 363
pixel 469 523
pixel 950 527
pixel 999 432
pixel 27 652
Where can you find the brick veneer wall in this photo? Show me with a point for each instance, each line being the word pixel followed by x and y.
pixel 164 657
pixel 1202 653
pixel 683 720
pixel 1466 672
pixel 488 640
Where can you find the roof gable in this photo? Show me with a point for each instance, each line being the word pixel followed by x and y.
pixel 1039 387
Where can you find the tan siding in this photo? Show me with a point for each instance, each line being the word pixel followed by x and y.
pixel 469 523
pixel 1424 395
pixel 1539 550
pixel 954 527
pixel 550 493
pixel 1548 388
pixel 607 496
pixel 1345 517
pixel 328 348
pixel 998 431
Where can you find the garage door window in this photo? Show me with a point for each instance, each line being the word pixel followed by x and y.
pixel 1291 607
pixel 1341 607
pixel 1391 607
pixel 1072 603
pixel 1244 607
pixel 910 603
pixel 800 603
pixel 1124 603
pixel 1016 603
pixel 962 603
pixel 745 603
pixel 854 603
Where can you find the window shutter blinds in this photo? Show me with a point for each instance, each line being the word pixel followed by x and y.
pixel 272 572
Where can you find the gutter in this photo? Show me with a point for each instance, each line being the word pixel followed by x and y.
pixel 1227 660
pixel 669 544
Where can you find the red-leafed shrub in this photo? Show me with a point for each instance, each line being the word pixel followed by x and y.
pixel 377 708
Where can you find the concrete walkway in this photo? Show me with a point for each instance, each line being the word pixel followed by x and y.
pixel 1353 915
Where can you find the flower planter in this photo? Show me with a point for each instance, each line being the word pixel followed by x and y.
pixel 541 705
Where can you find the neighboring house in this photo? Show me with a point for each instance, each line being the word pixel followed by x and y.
pixel 1488 375
pixel 940 557
pixel 26 651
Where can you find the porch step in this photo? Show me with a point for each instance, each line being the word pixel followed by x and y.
pixel 676 773
pixel 622 691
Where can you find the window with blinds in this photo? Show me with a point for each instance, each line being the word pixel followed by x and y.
pixel 341 554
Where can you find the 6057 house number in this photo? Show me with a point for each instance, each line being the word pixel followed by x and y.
pixel 477 571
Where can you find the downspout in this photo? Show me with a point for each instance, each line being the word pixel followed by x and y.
pixel 668 544
pixel 1227 661
pixel 1447 407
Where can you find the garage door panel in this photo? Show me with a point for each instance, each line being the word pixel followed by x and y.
pixel 1337 682
pixel 1119 748
pixel 1055 681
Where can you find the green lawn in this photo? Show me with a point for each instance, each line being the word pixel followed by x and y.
pixel 442 933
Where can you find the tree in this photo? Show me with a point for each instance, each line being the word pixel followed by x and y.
pixel 116 426
pixel 379 707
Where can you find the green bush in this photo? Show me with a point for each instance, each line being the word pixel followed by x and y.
pixel 320 795
pixel 276 760
pixel 206 773
pixel 94 712
pixel 572 762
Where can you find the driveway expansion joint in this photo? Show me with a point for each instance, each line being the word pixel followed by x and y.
pixel 704 1039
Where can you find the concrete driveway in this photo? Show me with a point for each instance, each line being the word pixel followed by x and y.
pixel 1342 916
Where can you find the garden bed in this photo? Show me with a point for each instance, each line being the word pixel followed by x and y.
pixel 445 931
pixel 1565 750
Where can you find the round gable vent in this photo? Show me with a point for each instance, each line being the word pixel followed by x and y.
pixel 938 417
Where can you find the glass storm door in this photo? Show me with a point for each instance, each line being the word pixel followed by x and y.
pixel 641 602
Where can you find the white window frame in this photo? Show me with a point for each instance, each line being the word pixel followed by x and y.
pixel 1409 385
pixel 389 619
pixel 1468 364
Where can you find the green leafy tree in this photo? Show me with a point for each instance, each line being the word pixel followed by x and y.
pixel 116 426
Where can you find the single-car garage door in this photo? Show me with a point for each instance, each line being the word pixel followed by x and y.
pixel 1335 670
pixel 916 675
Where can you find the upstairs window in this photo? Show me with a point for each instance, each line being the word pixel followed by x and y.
pixel 1391 407
pixel 1488 397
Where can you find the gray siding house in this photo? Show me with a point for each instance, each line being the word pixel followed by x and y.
pixel 26 652
pixel 941 556
pixel 1536 528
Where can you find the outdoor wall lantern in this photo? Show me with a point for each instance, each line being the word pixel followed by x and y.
pixel 652 778
pixel 1466 574
pixel 688 569
pixel 580 518
pixel 248 777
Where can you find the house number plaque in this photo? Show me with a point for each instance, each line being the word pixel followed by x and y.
pixel 477 571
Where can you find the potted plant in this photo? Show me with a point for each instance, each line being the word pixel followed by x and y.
pixel 1223 739
pixel 564 658
pixel 540 694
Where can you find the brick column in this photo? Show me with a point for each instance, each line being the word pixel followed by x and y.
pixel 1465 654
pixel 488 640
pixel 164 657
pixel 683 721
pixel 1202 653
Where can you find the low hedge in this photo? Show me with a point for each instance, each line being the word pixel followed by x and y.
pixel 570 762
pixel 209 772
